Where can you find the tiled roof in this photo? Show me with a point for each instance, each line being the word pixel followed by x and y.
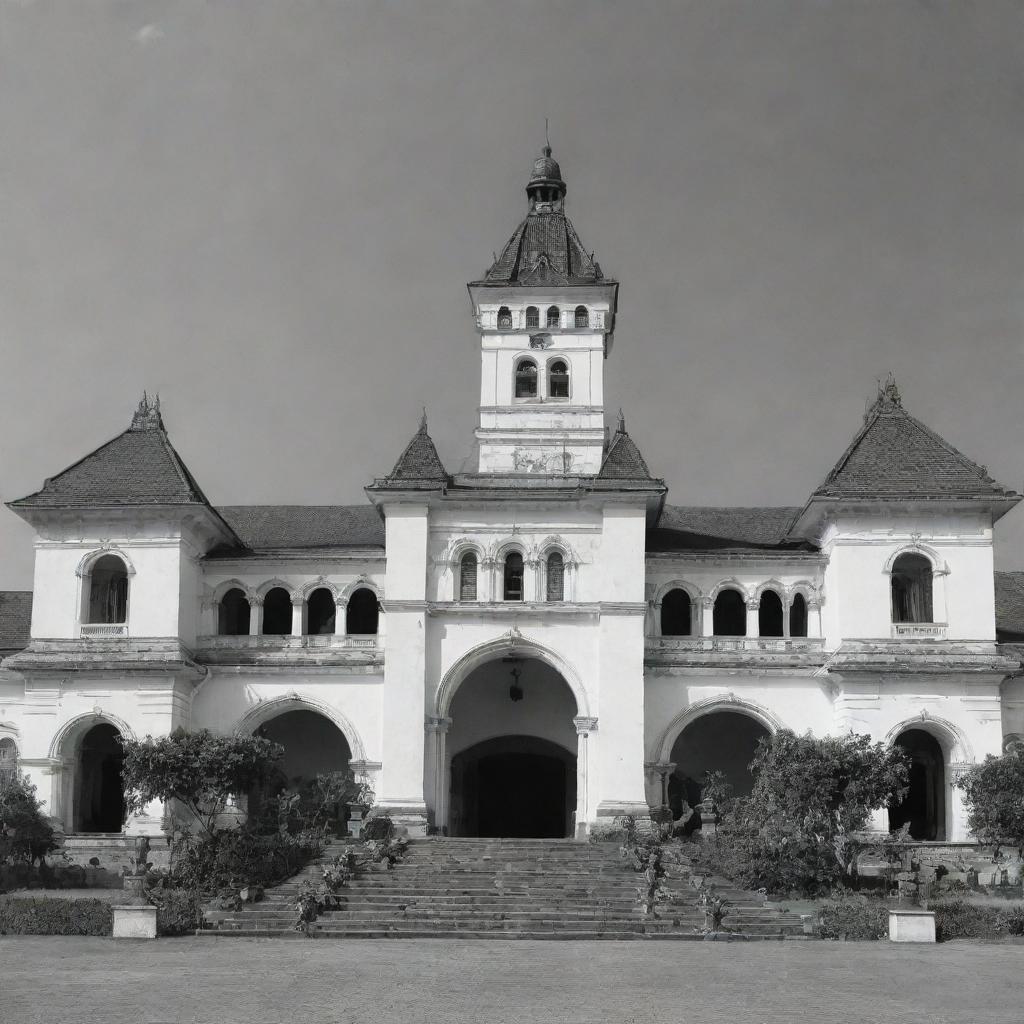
pixel 1010 605
pixel 545 249
pixel 623 460
pixel 15 618
pixel 698 528
pixel 263 527
pixel 138 467
pixel 895 454
pixel 419 463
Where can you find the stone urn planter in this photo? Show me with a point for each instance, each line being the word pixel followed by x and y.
pixel 135 916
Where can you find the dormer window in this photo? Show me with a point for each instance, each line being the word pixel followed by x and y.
pixel 558 379
pixel 553 316
pixel 581 318
pixel 504 319
pixel 532 317
pixel 526 379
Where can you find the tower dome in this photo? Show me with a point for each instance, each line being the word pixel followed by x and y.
pixel 545 186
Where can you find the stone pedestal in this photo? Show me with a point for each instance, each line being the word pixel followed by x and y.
pixel 134 922
pixel 911 924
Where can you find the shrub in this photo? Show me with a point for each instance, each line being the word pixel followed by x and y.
pixel 1012 921
pixel 178 911
pixel 958 919
pixel 849 915
pixel 994 795
pixel 54 916
pixel 380 828
pixel 607 832
pixel 25 834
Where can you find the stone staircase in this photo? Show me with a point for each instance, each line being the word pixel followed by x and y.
pixel 503 889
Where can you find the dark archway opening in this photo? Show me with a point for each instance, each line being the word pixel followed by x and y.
pixel 99 804
pixel 722 741
pixel 514 787
pixel 730 614
pixel 798 616
pixel 924 806
pixel 320 612
pixel 362 617
pixel 769 614
pixel 277 612
pixel 676 613
pixel 233 614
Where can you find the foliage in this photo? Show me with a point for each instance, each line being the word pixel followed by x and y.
pixel 178 911
pixel 198 769
pixel 649 853
pixel 341 870
pixel 607 832
pixel 388 851
pixel 379 828
pixel 795 830
pixel 959 919
pixel 323 799
pixel 54 916
pixel 849 915
pixel 713 905
pixel 25 834
pixel 1012 921
pixel 994 795
pixel 716 788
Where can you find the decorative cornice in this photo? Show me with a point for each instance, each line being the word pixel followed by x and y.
pixel 584 725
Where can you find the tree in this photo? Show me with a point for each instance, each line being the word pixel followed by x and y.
pixel 198 769
pixel 25 834
pixel 994 794
pixel 811 795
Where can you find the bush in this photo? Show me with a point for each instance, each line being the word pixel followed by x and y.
pixel 994 795
pixel 607 832
pixel 852 916
pixel 53 916
pixel 1012 922
pixel 380 828
pixel 178 911
pixel 25 834
pixel 958 919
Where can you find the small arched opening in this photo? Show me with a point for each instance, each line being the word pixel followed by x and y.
pixel 532 316
pixel 526 379
pixel 798 616
pixel 233 613
pixel 99 804
pixel 581 318
pixel 676 613
pixel 553 316
pixel 362 617
pixel 108 591
pixel 468 577
pixel 555 577
pixel 911 588
pixel 512 582
pixel 769 614
pixel 320 612
pixel 924 806
pixel 8 757
pixel 558 379
pixel 504 319
pixel 729 617
pixel 277 612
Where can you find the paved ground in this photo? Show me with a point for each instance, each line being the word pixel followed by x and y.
pixel 266 981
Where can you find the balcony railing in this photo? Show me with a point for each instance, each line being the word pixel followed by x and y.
pixel 103 630
pixel 919 630
pixel 317 642
pixel 731 644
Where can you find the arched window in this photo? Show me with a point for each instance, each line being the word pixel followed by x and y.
pixel 581 318
pixel 526 379
pixel 532 316
pixel 320 612
pixel 556 577
pixel 513 589
pixel 233 614
pixel 277 612
pixel 730 614
pixel 769 615
pixel 798 616
pixel 8 757
pixel 558 379
pixel 467 577
pixel 108 591
pixel 363 615
pixel 676 613
pixel 504 318
pixel 553 316
pixel 912 589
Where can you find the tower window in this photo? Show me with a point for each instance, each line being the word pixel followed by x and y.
pixel 556 577
pixel 108 591
pixel 581 318
pixel 526 379
pixel 912 589
pixel 553 317
pixel 532 316
pixel 504 318
pixel 558 380
pixel 467 577
pixel 514 577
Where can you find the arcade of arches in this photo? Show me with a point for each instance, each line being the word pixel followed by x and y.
pixel 511 752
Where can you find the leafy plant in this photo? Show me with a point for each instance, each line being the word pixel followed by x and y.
pixel 714 907
pixel 379 828
pixel 959 919
pixel 388 851
pixel 341 870
pixel 55 916
pixel 25 834
pixel 178 911
pixel 994 795
pixel 1012 921
pixel 849 915
pixel 649 854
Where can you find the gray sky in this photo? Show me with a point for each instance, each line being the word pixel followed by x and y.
pixel 267 211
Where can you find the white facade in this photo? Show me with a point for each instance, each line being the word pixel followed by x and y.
pixel 555 660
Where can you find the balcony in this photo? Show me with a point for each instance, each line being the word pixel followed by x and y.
pixel 733 644
pixel 299 650
pixel 919 631
pixel 102 630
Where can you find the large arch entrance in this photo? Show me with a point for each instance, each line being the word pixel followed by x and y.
pixel 99 804
pixel 720 741
pixel 924 806
pixel 512 743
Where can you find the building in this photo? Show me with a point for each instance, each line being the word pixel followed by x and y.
pixel 531 647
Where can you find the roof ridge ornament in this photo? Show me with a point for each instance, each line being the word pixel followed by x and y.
pixel 147 415
pixel 888 394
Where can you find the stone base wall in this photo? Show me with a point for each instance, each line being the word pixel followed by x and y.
pixel 941 865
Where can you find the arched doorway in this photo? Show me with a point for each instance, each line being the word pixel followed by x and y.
pixel 99 791
pixel 924 806
pixel 720 741
pixel 512 752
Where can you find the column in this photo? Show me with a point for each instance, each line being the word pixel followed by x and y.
pixel 708 614
pixel 255 616
pixel 584 727
pixel 298 607
pixel 340 612
pixel 437 735
pixel 753 626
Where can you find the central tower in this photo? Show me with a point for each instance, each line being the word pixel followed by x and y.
pixel 545 314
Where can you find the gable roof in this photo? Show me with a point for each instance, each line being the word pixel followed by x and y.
pixel 1010 605
pixel 623 460
pixel 15 619
pixel 896 455
pixel 700 528
pixel 138 467
pixel 275 527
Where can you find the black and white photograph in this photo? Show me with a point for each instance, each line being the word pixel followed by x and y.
pixel 511 511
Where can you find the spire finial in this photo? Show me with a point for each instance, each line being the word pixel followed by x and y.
pixel 888 393
pixel 547 141
pixel 621 428
pixel 147 415
pixel 423 421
